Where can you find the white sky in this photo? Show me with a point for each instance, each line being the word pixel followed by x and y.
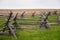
pixel 29 4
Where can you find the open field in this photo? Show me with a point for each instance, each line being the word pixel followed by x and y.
pixel 27 11
pixel 30 33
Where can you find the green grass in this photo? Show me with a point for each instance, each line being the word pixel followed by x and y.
pixel 47 34
pixel 53 33
pixel 52 17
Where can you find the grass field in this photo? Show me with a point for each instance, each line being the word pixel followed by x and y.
pixel 52 33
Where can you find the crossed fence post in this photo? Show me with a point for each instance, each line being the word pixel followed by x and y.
pixel 33 14
pixel 22 15
pixel 15 23
pixel 8 26
pixel 7 21
pixel 58 17
pixel 43 21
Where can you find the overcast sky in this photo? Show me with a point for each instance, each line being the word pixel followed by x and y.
pixel 29 4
